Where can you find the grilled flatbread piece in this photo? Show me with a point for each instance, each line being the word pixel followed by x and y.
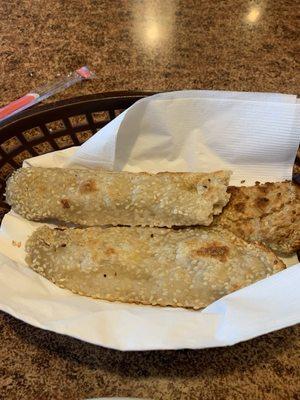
pixel 268 213
pixel 155 266
pixel 97 197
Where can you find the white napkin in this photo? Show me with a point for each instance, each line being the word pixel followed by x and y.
pixel 254 134
pixel 180 131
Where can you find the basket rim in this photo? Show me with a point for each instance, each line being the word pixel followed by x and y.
pixel 73 101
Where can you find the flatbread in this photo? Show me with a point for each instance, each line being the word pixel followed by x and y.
pixel 156 266
pixel 268 213
pixel 97 197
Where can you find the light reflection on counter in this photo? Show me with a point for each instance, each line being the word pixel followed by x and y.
pixel 152 33
pixel 153 24
pixel 254 14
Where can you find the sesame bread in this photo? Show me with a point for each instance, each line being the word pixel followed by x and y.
pixel 156 266
pixel 268 213
pixel 97 197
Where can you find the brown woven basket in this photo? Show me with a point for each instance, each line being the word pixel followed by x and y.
pixel 60 125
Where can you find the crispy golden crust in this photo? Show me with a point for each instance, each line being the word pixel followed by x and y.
pixel 156 266
pixel 94 197
pixel 268 213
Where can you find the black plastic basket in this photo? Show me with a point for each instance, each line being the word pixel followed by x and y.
pixel 56 126
pixel 60 125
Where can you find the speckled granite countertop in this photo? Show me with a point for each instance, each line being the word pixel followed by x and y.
pixel 147 45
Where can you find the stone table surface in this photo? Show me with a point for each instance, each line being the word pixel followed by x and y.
pixel 147 45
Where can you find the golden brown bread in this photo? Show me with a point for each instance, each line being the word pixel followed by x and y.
pixel 155 266
pixel 97 197
pixel 268 213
